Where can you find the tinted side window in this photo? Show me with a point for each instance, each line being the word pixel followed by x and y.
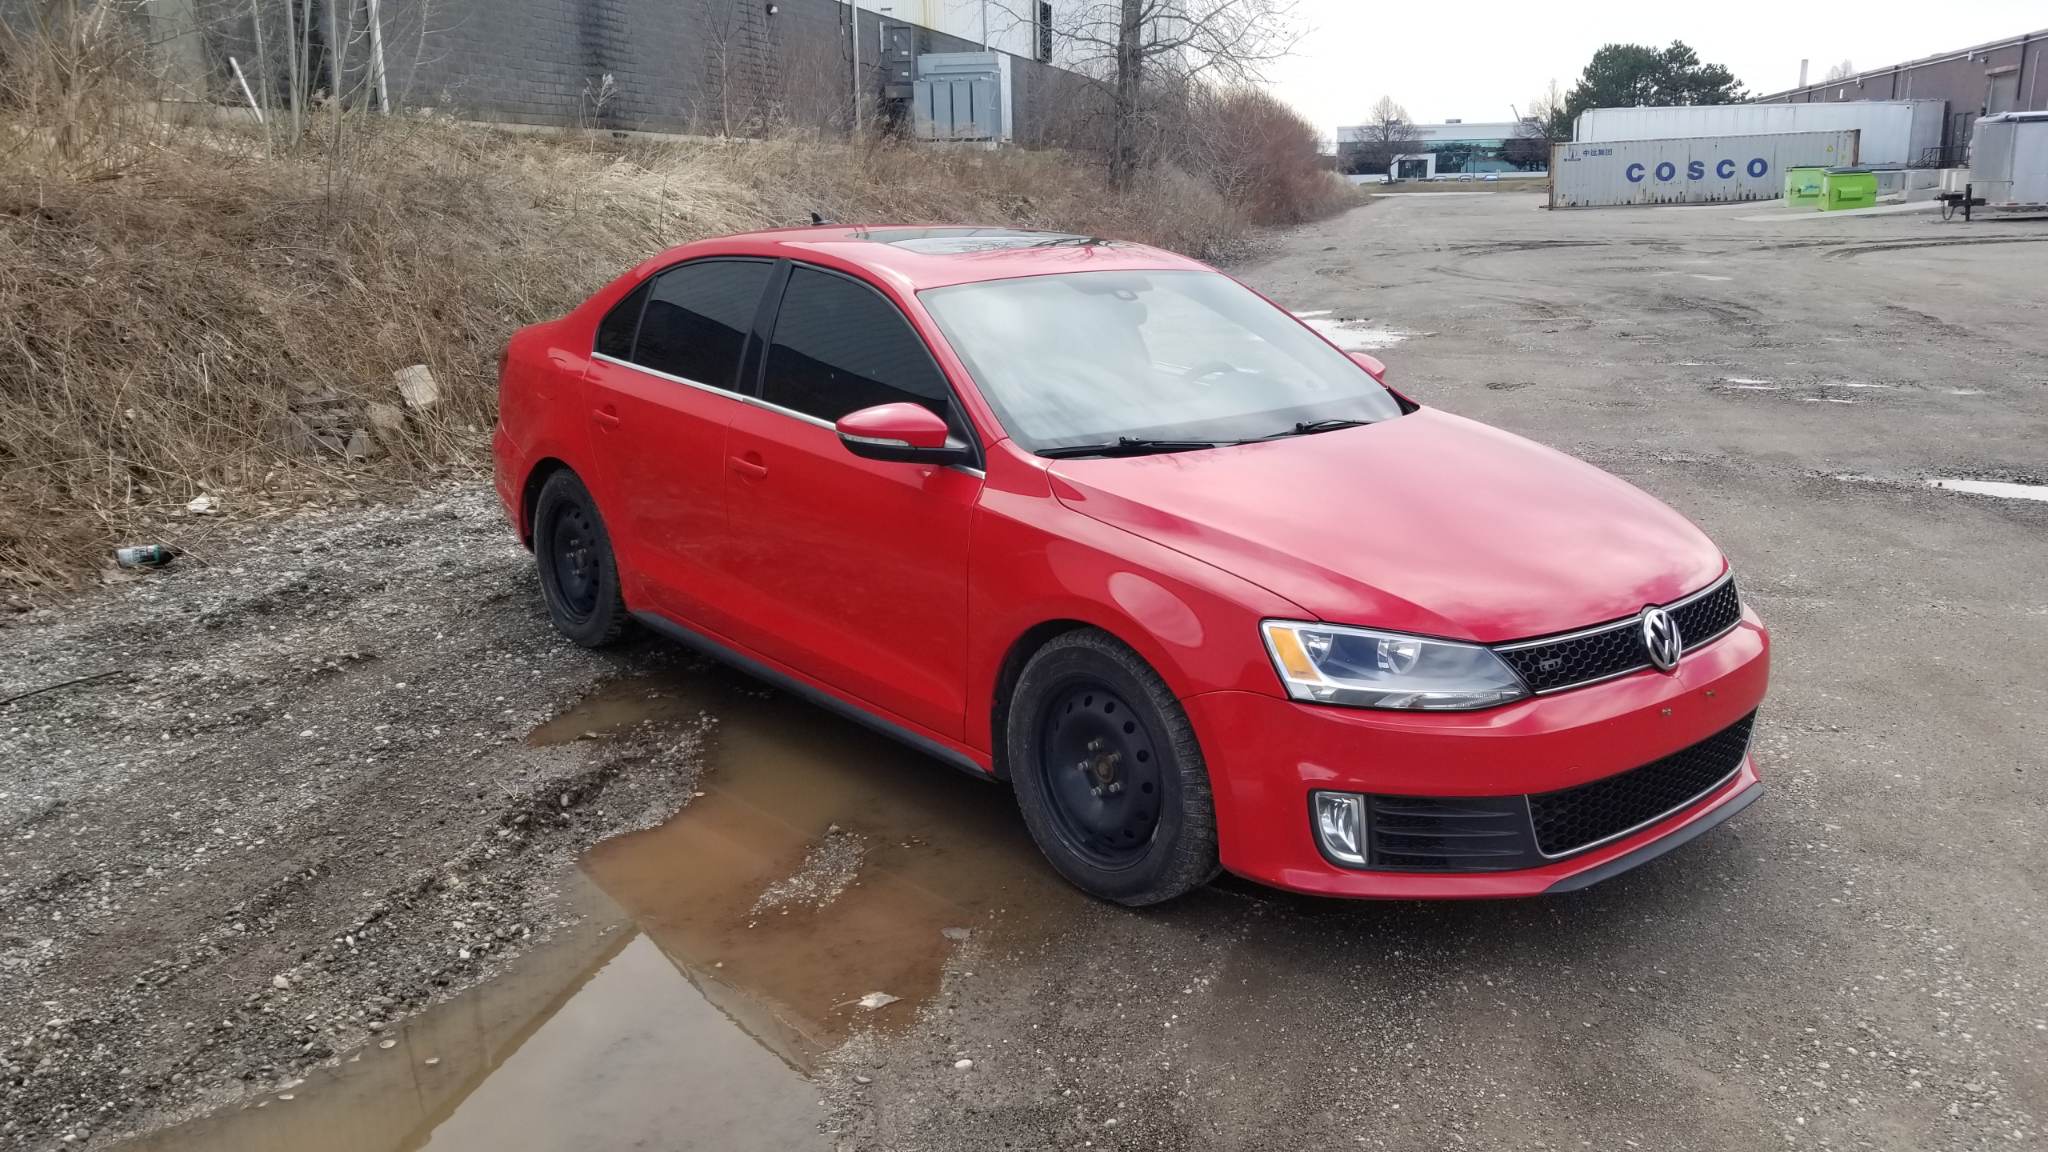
pixel 615 335
pixel 840 347
pixel 698 317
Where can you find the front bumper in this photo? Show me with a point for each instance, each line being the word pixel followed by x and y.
pixel 1267 754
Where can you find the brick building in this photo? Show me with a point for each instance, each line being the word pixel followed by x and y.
pixel 2001 76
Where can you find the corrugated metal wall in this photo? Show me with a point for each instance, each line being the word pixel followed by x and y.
pixel 1704 170
pixel 1895 132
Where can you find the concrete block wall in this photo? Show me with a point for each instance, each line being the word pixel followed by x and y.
pixel 676 65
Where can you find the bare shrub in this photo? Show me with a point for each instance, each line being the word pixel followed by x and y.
pixel 1261 155
pixel 68 80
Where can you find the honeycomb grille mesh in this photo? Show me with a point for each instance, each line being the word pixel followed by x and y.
pixel 1581 659
pixel 1708 616
pixel 1618 648
pixel 1571 819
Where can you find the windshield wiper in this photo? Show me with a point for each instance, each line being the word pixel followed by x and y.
pixel 1125 446
pixel 1311 427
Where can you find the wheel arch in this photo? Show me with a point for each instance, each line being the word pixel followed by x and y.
pixel 1019 653
pixel 1124 630
pixel 529 492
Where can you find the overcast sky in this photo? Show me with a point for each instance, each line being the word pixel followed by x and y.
pixel 1471 59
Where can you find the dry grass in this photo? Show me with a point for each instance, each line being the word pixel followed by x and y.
pixel 177 323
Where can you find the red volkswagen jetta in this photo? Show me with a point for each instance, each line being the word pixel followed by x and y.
pixel 1097 520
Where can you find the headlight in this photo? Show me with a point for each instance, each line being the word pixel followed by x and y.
pixel 1332 664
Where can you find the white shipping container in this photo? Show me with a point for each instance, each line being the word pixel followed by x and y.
pixel 2009 160
pixel 1896 133
pixel 1702 170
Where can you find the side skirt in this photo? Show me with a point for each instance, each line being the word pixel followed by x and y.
pixel 690 638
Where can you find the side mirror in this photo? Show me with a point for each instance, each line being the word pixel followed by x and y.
pixel 902 434
pixel 1372 365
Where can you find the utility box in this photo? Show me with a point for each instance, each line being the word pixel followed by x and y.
pixel 1802 187
pixel 1843 188
pixel 899 61
pixel 2009 161
pixel 959 96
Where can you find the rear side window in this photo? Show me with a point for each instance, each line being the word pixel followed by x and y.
pixel 840 347
pixel 615 335
pixel 697 319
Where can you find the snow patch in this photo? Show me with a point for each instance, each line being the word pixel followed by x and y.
pixel 2000 488
pixel 1353 335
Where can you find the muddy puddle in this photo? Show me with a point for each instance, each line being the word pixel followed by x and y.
pixel 816 885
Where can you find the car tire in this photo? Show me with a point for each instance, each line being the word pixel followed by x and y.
pixel 579 577
pixel 1108 773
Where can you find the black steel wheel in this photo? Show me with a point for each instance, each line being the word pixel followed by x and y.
pixel 579 578
pixel 1107 772
pixel 572 550
pixel 1100 772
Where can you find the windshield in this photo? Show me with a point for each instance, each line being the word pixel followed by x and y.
pixel 1096 357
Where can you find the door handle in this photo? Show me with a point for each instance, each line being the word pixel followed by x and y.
pixel 606 417
pixel 751 469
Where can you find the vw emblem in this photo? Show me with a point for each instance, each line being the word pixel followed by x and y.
pixel 1661 639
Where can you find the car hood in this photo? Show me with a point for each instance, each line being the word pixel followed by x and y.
pixel 1429 523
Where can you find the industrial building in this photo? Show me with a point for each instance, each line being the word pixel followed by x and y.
pixel 1023 29
pixel 1452 148
pixel 1983 80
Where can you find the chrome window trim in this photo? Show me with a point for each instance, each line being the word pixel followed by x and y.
pixel 714 389
pixel 660 375
pixel 1709 790
pixel 752 401
pixel 805 417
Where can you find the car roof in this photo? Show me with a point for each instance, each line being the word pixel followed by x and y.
pixel 918 257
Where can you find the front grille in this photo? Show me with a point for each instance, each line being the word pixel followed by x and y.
pixel 1447 834
pixel 1703 618
pixel 1611 650
pixel 1575 818
pixel 1580 659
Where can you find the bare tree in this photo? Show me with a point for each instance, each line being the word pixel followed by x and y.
pixel 1136 44
pixel 1386 134
pixel 1551 108
pixel 1543 124
pixel 732 43
pixel 1843 71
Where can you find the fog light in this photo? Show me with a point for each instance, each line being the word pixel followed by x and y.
pixel 1340 825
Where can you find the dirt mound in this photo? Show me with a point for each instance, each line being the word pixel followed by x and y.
pixel 189 317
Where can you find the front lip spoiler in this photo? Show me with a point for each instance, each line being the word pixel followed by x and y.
pixel 1659 847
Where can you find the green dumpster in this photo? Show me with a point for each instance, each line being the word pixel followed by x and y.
pixel 1802 186
pixel 1842 188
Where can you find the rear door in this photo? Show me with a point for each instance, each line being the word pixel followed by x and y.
pixel 662 391
pixel 851 571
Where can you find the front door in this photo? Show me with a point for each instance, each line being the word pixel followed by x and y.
pixel 662 393
pixel 851 571
pixel 2004 94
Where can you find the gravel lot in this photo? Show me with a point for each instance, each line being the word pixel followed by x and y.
pixel 302 805
pixel 298 809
